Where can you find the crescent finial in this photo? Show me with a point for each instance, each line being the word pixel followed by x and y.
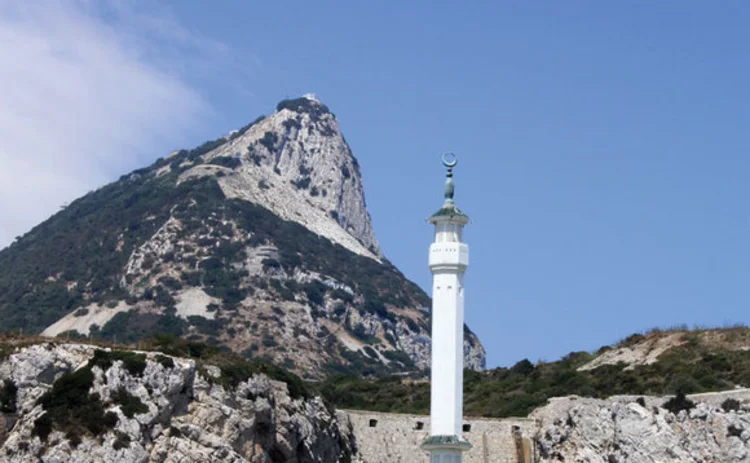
pixel 450 160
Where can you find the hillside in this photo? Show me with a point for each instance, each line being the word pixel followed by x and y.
pixel 259 242
pixel 658 363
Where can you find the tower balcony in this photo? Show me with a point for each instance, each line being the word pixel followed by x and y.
pixel 449 256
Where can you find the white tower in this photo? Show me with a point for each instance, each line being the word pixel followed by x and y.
pixel 449 258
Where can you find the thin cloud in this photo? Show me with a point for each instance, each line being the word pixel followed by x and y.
pixel 84 94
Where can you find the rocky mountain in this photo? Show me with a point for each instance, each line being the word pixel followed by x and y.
pixel 259 241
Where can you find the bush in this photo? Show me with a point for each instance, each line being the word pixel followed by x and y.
pixel 269 140
pixel 8 396
pixel 342 295
pixel 226 161
pixel 730 405
pixel 678 402
pixel 163 298
pixel 70 408
pixel 232 374
pixel 524 367
pixel 292 123
pixel 134 363
pixel 132 326
pixel 734 431
pixel 413 327
pixel 315 291
pixel 339 310
pixel 122 441
pixel 206 326
pixel 301 183
pixel 166 362
pixel 129 404
pixel 170 282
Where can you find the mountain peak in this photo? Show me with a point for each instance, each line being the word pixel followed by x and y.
pixel 308 104
pixel 297 164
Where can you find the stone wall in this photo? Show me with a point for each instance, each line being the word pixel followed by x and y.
pixel 395 438
pixel 716 398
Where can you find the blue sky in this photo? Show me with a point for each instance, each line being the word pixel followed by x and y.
pixel 603 145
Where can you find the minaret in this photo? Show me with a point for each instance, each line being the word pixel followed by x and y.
pixel 449 258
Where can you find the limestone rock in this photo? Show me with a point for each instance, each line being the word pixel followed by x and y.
pixel 623 430
pixel 297 164
pixel 187 417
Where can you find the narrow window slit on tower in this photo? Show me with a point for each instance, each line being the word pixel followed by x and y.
pixel 419 426
pixel 373 423
pixel 467 428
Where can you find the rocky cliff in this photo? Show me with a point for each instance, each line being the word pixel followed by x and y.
pixel 297 164
pixel 79 403
pixel 84 403
pixel 259 241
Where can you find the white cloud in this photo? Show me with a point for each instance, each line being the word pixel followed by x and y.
pixel 83 93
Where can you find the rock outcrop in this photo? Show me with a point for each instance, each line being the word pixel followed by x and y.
pixel 156 408
pixel 639 430
pixel 297 164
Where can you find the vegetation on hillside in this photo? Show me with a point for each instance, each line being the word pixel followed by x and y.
pixel 705 361
pixel 77 256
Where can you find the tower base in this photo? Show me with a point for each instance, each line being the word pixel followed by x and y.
pixel 445 449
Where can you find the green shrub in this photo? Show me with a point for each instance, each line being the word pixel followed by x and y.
pixel 232 374
pixel 226 161
pixel 734 431
pixel 301 183
pixel 678 402
pixel 269 140
pixel 413 327
pixel 134 363
pixel 524 367
pixel 342 295
pixel 315 291
pixel 8 395
pixel 122 441
pixel 730 405
pixel 70 408
pixel 170 282
pixel 129 404
pixel 206 326
pixel 166 362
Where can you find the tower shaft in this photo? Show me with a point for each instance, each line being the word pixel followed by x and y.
pixel 449 259
pixel 446 397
